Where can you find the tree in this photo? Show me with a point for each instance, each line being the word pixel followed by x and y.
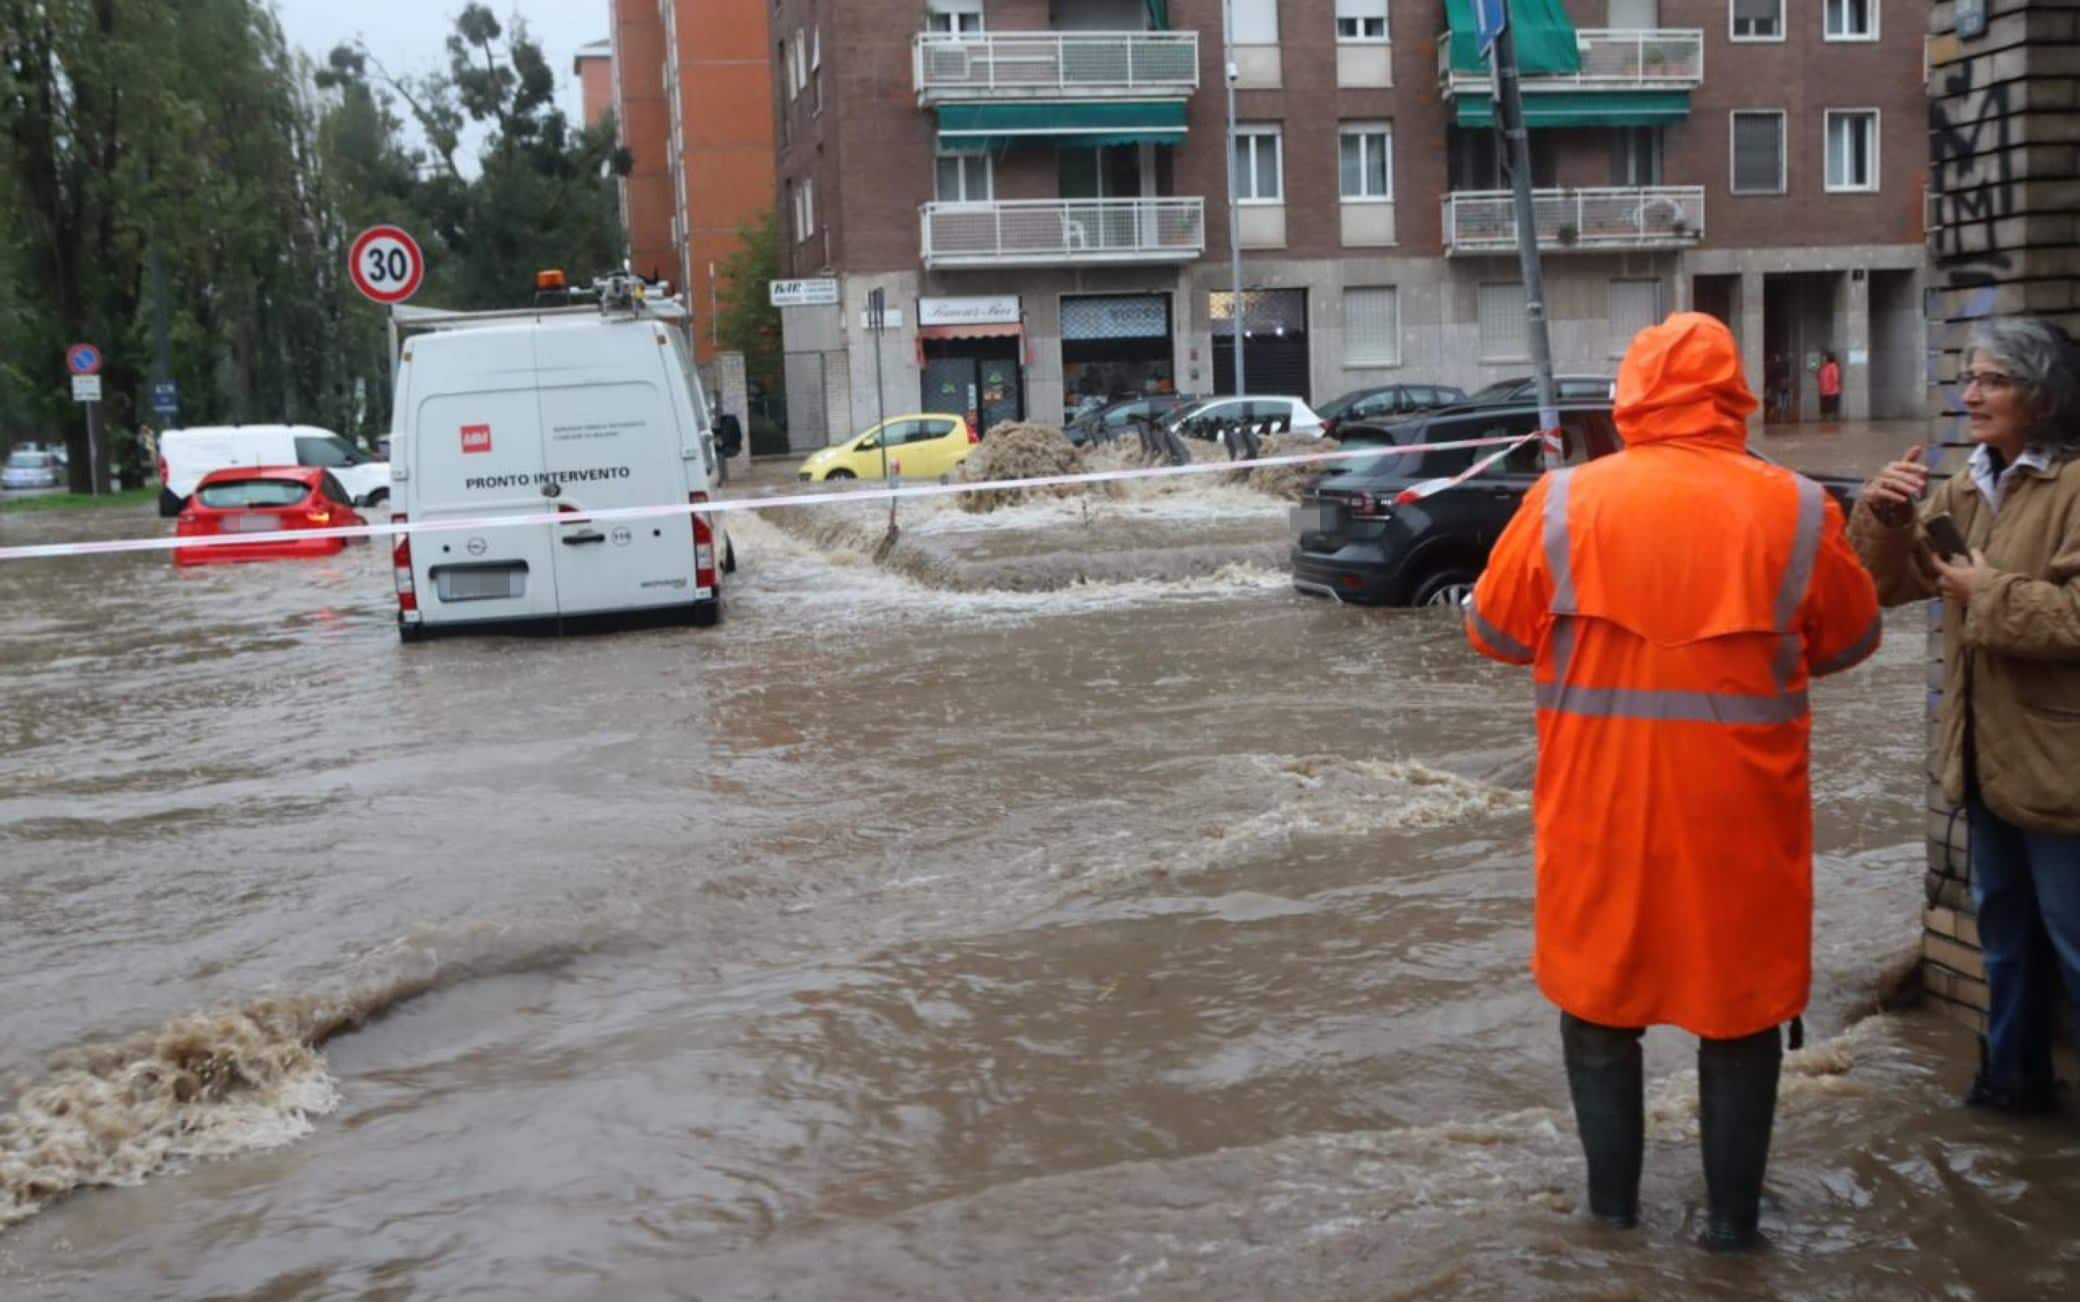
pixel 747 322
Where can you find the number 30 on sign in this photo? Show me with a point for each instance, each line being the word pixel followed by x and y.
pixel 386 264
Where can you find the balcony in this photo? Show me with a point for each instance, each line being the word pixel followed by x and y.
pixel 1578 221
pixel 1055 232
pixel 1054 65
pixel 1613 58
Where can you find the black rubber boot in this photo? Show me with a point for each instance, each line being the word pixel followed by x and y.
pixel 1605 1077
pixel 1737 1107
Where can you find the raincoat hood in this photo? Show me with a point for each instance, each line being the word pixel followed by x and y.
pixel 1682 380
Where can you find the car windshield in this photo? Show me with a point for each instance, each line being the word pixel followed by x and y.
pixel 1335 407
pixel 233 494
pixel 25 460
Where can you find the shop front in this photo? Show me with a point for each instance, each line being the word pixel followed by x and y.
pixel 1115 346
pixel 972 354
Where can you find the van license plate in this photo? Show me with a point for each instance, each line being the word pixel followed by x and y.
pixel 481 582
pixel 1314 519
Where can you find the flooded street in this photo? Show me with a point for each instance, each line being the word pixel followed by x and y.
pixel 1061 908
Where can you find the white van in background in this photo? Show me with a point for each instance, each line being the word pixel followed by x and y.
pixel 556 409
pixel 186 455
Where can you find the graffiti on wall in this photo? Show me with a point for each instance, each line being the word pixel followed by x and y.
pixel 1971 177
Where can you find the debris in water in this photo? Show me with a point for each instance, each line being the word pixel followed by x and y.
pixel 1291 481
pixel 1017 451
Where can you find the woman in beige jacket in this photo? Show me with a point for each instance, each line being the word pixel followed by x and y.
pixel 2008 741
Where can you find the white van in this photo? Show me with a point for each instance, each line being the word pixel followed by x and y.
pixel 564 410
pixel 186 455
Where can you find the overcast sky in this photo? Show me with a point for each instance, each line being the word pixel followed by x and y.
pixel 410 36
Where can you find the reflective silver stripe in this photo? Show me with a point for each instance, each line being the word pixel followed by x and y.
pixel 1494 636
pixel 1858 652
pixel 1798 577
pixel 1566 629
pixel 1670 707
pixel 1559 558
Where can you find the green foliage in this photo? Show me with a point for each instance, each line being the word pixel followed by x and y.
pixel 186 131
pixel 746 320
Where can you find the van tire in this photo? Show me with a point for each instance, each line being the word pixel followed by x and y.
pixel 410 633
pixel 706 614
pixel 377 498
pixel 169 505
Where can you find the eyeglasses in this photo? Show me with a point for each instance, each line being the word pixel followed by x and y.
pixel 1994 380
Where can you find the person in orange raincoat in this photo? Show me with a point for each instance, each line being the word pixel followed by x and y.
pixel 1674 600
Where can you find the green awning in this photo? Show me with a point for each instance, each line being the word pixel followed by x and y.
pixel 1159 15
pixel 1543 33
pixel 1082 125
pixel 1582 108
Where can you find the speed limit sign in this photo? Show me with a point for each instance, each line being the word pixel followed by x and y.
pixel 386 264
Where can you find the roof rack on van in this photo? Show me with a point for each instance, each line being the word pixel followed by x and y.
pixel 619 294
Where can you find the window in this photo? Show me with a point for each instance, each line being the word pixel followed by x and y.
pixel 328 451
pixel 959 17
pixel 1852 150
pixel 1758 152
pixel 786 69
pixel 1372 327
pixel 1503 336
pixel 1259 167
pixel 963 178
pixel 1361 20
pixel 794 214
pixel 805 199
pixel 1367 171
pixel 816 70
pixel 1852 20
pixel 801 61
pixel 1256 22
pixel 1635 156
pixel 233 493
pixel 1758 20
pixel 1635 306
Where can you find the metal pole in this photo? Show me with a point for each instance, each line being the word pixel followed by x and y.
pixel 1509 117
pixel 1234 193
pixel 95 479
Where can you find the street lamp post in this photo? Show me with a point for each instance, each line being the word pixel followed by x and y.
pixel 1234 194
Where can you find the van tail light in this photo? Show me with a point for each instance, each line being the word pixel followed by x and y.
pixel 401 559
pixel 703 545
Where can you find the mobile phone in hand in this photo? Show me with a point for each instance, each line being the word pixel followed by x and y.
pixel 1944 538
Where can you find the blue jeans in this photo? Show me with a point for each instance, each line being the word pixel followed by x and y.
pixel 2026 886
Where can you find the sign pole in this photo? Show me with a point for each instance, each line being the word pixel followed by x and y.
pixel 1509 118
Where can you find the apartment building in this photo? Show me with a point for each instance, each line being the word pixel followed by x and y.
pixel 690 83
pixel 1039 188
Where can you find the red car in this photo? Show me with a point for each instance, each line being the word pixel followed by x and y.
pixel 264 499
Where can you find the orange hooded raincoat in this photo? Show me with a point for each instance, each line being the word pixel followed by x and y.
pixel 1674 600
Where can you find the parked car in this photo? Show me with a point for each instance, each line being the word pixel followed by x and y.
pixel 1111 421
pixel 186 455
pixel 29 468
pixel 1387 402
pixel 1524 388
pixel 1206 420
pixel 922 445
pixel 264 499
pixel 1355 544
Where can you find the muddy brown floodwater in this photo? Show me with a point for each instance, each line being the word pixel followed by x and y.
pixel 1063 908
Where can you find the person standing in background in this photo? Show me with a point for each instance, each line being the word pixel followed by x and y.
pixel 1830 388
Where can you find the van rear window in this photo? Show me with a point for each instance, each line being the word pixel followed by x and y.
pixel 235 493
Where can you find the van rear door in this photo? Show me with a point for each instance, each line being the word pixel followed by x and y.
pixel 475 452
pixel 613 437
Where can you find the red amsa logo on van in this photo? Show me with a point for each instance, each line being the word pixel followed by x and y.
pixel 476 438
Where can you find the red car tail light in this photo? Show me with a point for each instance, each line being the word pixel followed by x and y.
pixel 401 559
pixel 703 545
pixel 1369 506
pixel 973 437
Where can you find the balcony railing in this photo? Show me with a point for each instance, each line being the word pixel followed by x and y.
pixel 1627 217
pixel 1054 65
pixel 1613 58
pixel 1047 232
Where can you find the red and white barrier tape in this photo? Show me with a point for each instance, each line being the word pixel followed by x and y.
pixel 111 546
pixel 1417 492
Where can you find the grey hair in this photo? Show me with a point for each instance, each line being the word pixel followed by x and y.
pixel 2043 358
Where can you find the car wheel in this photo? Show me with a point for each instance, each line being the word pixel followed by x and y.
pixel 1449 586
pixel 838 474
pixel 706 614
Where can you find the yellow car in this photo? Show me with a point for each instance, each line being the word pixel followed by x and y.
pixel 923 445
